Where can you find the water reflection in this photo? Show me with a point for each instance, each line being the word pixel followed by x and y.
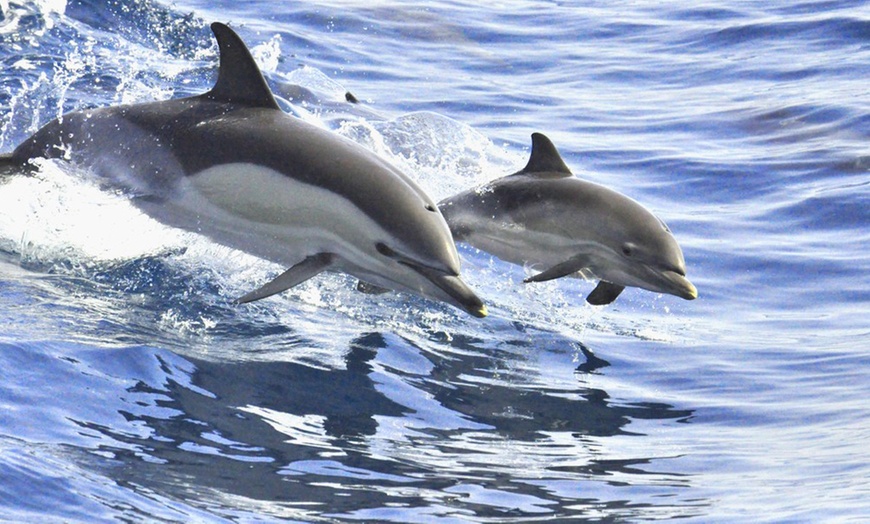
pixel 442 439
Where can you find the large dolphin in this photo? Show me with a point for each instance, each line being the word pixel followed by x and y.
pixel 231 165
pixel 545 217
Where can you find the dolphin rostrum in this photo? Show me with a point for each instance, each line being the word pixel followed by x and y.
pixel 545 217
pixel 231 165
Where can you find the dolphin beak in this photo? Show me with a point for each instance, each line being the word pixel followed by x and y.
pixel 680 286
pixel 458 293
pixel 450 287
pixel 462 296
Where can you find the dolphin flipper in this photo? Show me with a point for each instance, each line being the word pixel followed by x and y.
pixel 295 275
pixel 563 269
pixel 370 289
pixel 604 293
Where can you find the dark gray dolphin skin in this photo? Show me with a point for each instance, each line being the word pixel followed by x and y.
pixel 231 165
pixel 545 217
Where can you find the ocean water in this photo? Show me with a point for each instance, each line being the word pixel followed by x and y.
pixel 132 390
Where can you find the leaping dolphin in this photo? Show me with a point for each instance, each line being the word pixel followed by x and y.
pixel 231 165
pixel 545 217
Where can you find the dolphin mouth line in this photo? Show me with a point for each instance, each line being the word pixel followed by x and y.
pixel 453 286
pixel 679 285
pixel 405 260
pixel 445 280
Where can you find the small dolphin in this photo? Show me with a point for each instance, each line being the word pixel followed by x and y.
pixel 231 165
pixel 545 217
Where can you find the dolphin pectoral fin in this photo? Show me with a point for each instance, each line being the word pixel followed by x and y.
pixel 604 293
pixel 292 277
pixel 370 289
pixel 563 269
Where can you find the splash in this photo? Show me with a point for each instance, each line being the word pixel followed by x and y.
pixel 37 16
pixel 268 54
pixel 55 215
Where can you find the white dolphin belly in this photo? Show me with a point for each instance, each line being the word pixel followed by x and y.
pixel 265 213
pixel 514 243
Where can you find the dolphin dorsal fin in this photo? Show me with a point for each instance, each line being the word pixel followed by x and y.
pixel 239 78
pixel 545 160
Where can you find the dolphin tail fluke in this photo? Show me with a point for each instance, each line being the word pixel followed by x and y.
pixel 295 275
pixel 604 293
pixel 10 166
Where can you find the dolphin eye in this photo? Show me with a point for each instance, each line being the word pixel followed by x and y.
pixel 385 250
pixel 627 249
pixel 430 207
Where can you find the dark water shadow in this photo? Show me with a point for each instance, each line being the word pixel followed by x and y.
pixel 287 436
pixel 580 410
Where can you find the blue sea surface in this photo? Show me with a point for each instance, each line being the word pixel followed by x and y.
pixel 133 390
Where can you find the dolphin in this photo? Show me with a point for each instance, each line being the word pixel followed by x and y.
pixel 545 217
pixel 232 166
